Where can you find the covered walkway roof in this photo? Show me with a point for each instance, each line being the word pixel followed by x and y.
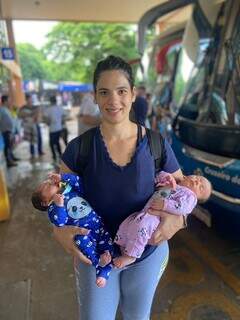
pixel 77 10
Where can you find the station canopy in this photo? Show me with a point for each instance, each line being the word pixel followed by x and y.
pixel 123 11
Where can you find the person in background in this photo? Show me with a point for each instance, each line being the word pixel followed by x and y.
pixel 118 180
pixel 30 116
pixel 165 123
pixel 140 107
pixel 89 115
pixel 54 117
pixel 17 132
pixel 39 135
pixel 38 109
pixel 151 121
pixel 7 128
pixel 65 132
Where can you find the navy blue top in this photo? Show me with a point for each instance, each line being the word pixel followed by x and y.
pixel 116 191
pixel 140 107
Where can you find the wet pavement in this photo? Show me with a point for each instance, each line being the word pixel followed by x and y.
pixel 202 281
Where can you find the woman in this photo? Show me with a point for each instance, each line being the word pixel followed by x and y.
pixel 118 180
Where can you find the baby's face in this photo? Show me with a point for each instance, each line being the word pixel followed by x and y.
pixel 199 185
pixel 48 189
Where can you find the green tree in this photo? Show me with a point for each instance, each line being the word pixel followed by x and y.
pixel 80 46
pixel 32 62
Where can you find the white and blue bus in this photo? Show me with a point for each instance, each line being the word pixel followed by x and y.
pixel 205 103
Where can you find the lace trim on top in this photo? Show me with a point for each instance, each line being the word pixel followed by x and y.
pixel 141 141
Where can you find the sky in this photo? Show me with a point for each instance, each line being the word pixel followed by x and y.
pixel 33 32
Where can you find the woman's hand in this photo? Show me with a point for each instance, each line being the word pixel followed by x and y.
pixel 168 226
pixel 65 236
pixel 156 206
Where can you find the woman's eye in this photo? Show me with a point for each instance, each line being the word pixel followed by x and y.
pixel 103 93
pixel 83 203
pixel 122 91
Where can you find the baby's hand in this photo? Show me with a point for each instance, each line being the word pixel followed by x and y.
pixel 168 180
pixel 58 199
pixel 55 177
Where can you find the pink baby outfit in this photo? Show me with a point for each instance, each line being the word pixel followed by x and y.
pixel 135 231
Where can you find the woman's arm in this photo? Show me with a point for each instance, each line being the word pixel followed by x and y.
pixel 169 225
pixel 178 175
pixel 65 235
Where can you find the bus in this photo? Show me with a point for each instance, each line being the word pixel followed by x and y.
pixel 205 105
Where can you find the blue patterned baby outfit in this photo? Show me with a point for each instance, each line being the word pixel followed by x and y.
pixel 77 212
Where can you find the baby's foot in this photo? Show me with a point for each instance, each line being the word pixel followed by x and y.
pixel 123 261
pixel 101 282
pixel 105 259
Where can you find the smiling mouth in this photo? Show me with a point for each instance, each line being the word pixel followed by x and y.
pixel 113 111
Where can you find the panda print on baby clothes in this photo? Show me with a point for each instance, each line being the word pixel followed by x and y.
pixel 78 212
pixel 78 208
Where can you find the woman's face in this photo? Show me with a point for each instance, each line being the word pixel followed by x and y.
pixel 114 96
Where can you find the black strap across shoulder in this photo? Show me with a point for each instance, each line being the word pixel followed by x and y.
pixel 139 133
pixel 155 141
pixel 84 149
pixel 156 145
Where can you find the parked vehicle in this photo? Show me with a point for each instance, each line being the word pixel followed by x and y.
pixel 206 105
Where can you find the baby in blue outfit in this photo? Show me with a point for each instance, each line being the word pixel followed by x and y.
pixel 61 195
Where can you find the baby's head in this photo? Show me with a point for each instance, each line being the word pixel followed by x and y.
pixel 44 193
pixel 199 185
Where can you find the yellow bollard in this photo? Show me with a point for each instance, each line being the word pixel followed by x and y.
pixel 4 200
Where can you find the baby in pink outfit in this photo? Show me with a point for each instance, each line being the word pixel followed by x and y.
pixel 180 199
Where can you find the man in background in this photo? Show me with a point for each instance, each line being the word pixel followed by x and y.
pixel 6 128
pixel 31 117
pixel 54 117
pixel 89 114
pixel 140 107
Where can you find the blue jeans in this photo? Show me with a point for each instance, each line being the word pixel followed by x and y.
pixel 132 287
